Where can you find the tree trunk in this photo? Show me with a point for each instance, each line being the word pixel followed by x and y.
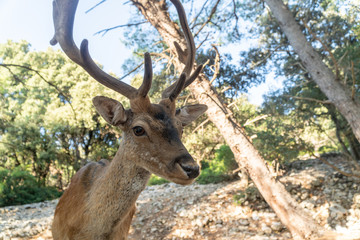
pixel 336 92
pixel 299 222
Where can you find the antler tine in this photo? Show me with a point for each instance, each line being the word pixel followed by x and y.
pixel 63 23
pixel 191 49
pixel 148 74
pixel 178 87
pixel 63 15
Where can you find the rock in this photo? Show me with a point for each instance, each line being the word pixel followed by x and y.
pixel 356 200
pixel 276 226
pixel 304 195
pixel 318 182
pixel 196 211
pixel 337 212
pixel 266 229
pixel 244 222
pixel 255 217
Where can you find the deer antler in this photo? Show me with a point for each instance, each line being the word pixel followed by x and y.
pixel 174 90
pixel 63 15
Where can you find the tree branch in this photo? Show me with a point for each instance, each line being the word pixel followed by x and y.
pixel 202 42
pixel 43 78
pixel 216 64
pixel 309 99
pixel 96 5
pixel 213 10
pixel 127 74
pixel 335 168
pixel 197 16
pixel 255 119
pixel 325 47
pixel 200 125
pixel 106 30
pixel 353 88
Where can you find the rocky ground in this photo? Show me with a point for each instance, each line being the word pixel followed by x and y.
pixel 219 211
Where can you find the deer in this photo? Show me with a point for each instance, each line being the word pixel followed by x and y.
pixel 99 203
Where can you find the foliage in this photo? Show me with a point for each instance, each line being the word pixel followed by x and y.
pixel 250 194
pixel 218 169
pixel 156 180
pixel 49 127
pixel 47 117
pixel 301 121
pixel 18 186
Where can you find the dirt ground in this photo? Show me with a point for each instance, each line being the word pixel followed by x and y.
pixel 230 210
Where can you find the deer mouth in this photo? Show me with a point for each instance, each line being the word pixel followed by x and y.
pixel 188 166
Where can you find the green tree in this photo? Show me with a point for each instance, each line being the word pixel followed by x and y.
pixel 48 121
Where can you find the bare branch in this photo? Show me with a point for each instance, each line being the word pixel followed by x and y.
pixel 12 73
pixel 207 62
pixel 236 28
pixel 106 30
pixel 309 99
pixel 161 55
pixel 213 10
pixel 200 125
pixel 197 16
pixel 353 88
pixel 127 74
pixel 264 59
pixel 225 89
pixel 202 42
pixel 217 64
pixel 248 122
pixel 43 78
pixel 96 5
pixel 335 168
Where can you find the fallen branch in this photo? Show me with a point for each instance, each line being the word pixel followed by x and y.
pixel 335 168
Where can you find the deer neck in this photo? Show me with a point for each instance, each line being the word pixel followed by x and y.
pixel 116 189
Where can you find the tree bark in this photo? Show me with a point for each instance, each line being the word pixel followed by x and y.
pixel 292 215
pixel 335 91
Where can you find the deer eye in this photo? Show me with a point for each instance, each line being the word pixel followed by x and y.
pixel 139 131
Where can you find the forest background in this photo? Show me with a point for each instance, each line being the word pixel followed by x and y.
pixel 49 128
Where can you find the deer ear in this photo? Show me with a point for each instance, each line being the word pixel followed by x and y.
pixel 111 110
pixel 190 113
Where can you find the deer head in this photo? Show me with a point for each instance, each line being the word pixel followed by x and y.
pixel 151 132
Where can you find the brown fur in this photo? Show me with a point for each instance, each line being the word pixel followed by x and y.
pixel 100 201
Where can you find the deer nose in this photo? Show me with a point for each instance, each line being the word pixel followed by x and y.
pixel 190 167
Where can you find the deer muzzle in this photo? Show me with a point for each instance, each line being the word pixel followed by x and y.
pixel 188 165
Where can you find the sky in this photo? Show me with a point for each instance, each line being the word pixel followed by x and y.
pixel 32 21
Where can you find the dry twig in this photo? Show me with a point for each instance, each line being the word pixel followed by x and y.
pixel 334 167
pixel 216 64
pixel 353 88
pixel 106 30
pixel 213 10
pixel 308 99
